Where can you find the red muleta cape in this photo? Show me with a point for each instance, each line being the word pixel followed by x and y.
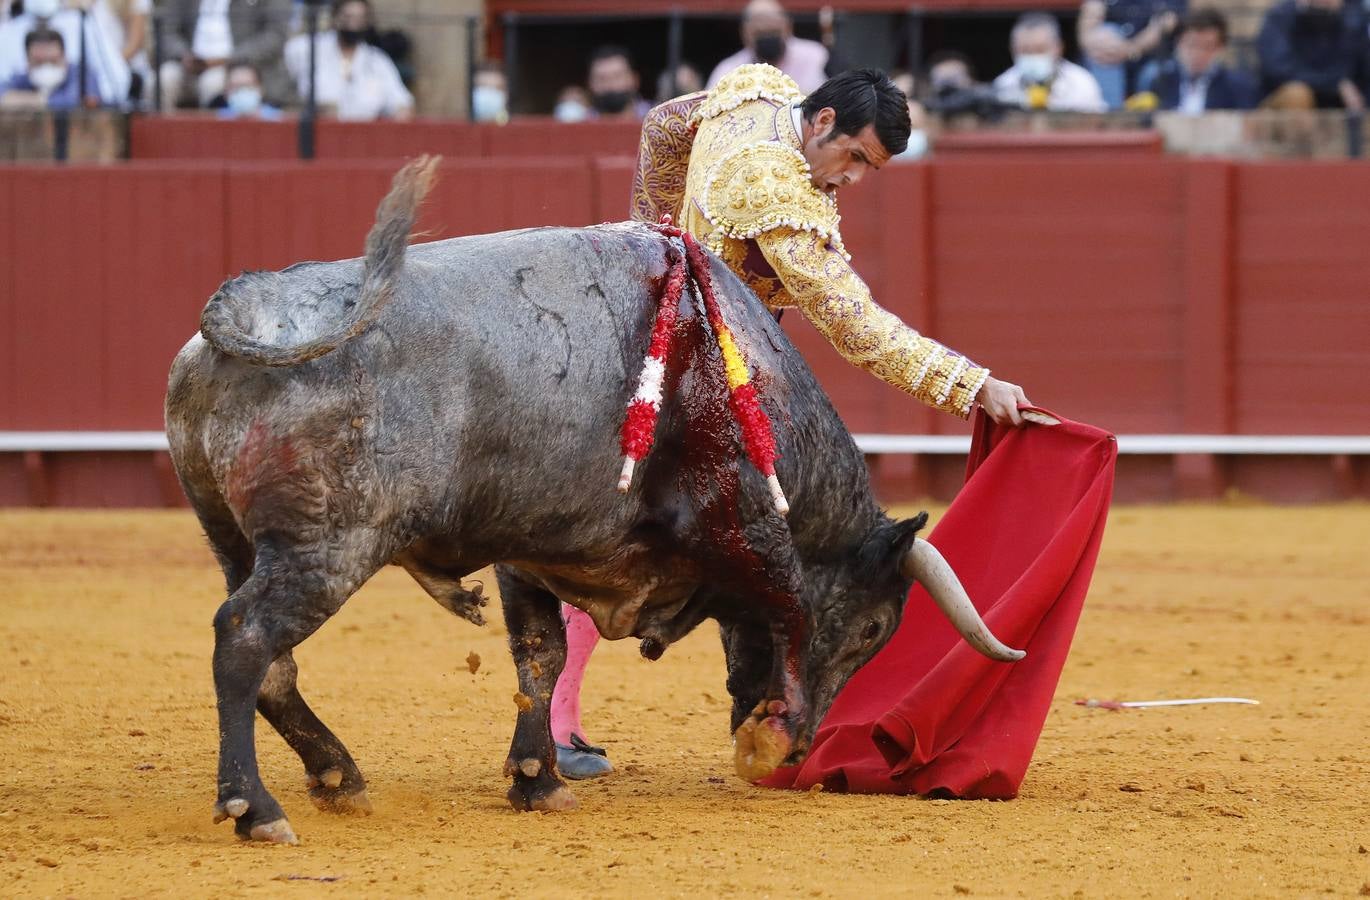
pixel 930 715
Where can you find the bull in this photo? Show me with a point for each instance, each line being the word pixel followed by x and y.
pixel 455 405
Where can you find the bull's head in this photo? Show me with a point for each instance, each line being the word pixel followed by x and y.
pixel 856 599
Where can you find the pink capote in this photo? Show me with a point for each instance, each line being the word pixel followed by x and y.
pixel 930 715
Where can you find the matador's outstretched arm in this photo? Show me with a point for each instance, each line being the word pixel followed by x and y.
pixel 838 303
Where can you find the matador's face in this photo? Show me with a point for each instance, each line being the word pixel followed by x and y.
pixel 837 160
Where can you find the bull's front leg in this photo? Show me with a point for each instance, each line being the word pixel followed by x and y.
pixel 769 736
pixel 537 637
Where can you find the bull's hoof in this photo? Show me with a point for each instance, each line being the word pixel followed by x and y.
pixel 762 744
pixel 261 820
pixel 540 792
pixel 332 792
pixel 276 832
pixel 341 803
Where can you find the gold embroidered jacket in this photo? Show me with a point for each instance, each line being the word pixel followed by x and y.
pixel 727 166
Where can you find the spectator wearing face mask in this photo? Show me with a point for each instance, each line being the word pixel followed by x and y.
pixel 1195 79
pixel 614 86
pixel 1311 55
pixel 1040 77
pixel 354 80
pixel 48 81
pixel 768 37
pixel 201 37
pixel 573 104
pixel 242 97
pixel 918 119
pixel 490 94
pixel 104 63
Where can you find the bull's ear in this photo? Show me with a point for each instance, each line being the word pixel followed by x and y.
pixel 887 544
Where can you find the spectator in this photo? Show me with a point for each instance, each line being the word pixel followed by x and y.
pixel 684 80
pixel 953 91
pixel 573 104
pixel 201 37
pixel 614 84
pixel 1195 80
pixel 490 94
pixel 1311 52
pixel 103 63
pixel 950 71
pixel 768 36
pixel 354 80
pixel 242 97
pixel 917 146
pixel 1117 36
pixel 1040 78
pixel 905 81
pixel 124 27
pixel 48 81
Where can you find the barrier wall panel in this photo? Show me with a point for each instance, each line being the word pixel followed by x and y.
pixel 116 263
pixel 397 140
pixel 281 214
pixel 196 137
pixel 10 380
pixel 59 304
pixel 543 137
pixel 1066 278
pixel 613 188
pixel 1302 273
pixel 163 260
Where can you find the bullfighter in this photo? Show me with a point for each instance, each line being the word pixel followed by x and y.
pixel 752 168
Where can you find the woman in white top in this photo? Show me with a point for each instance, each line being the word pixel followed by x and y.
pixel 124 25
pixel 355 80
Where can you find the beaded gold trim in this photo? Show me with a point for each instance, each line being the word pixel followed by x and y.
pixel 744 84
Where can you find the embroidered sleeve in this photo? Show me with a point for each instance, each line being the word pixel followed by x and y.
pixel 754 81
pixel 663 159
pixel 838 303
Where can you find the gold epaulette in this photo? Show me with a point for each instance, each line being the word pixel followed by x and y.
pixel 753 81
pixel 763 186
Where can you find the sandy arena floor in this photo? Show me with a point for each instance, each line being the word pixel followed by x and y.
pixel 108 740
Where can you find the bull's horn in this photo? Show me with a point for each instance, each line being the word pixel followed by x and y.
pixel 924 563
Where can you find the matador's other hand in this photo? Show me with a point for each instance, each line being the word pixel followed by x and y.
pixel 1000 400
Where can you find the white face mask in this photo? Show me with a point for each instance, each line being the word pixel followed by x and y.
pixel 48 77
pixel 571 111
pixel 42 9
pixel 487 104
pixel 1036 68
pixel 245 100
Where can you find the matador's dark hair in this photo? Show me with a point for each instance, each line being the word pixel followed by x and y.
pixel 862 97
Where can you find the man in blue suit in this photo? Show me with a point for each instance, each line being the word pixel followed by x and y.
pixel 1195 79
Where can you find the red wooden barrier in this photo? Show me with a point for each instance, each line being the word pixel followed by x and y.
pixel 539 137
pixel 209 138
pixel 398 140
pixel 1053 146
pixel 1147 295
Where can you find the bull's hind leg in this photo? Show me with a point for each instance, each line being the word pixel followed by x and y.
pixel 537 638
pixel 284 601
pixel 334 781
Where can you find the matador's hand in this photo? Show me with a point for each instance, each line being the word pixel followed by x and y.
pixel 1000 400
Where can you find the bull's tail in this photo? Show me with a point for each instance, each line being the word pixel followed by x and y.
pixel 221 323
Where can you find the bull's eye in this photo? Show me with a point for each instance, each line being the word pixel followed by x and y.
pixel 870 631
